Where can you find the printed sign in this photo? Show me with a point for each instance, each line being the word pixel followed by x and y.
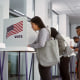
pixel 18 33
pixel 14 29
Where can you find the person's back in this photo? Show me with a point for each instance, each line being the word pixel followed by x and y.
pixel 64 61
pixel 56 35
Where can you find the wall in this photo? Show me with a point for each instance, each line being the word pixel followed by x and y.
pixel 41 9
pixel 64 25
pixel 67 26
pixel 75 20
pixel 1 24
pixel 30 8
pixel 73 30
pixel 5 10
pixel 5 6
pixel 74 23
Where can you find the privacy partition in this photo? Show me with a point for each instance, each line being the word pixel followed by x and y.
pixel 18 34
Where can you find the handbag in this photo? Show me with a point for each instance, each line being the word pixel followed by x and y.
pixel 49 55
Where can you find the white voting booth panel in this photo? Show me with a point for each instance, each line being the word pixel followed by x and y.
pixel 18 34
pixel 2 45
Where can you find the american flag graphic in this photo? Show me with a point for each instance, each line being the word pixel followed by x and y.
pixel 14 29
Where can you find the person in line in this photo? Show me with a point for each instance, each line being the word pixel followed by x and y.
pixel 43 37
pixel 64 61
pixel 75 47
pixel 76 40
pixel 78 49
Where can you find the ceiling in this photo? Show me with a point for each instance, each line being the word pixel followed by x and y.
pixel 69 7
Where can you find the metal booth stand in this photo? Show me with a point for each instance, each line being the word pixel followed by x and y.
pixel 31 50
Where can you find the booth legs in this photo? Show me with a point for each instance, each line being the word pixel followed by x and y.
pixel 2 66
pixel 19 66
pixel 26 65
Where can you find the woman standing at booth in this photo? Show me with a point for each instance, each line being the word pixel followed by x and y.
pixel 43 37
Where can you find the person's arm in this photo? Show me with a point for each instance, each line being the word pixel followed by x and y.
pixel 42 38
pixel 73 47
pixel 76 49
pixel 60 42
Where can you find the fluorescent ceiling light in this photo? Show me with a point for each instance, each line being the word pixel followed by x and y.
pixel 19 12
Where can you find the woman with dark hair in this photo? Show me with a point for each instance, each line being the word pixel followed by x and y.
pixel 43 37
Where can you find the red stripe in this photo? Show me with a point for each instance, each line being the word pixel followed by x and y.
pixel 16 30
pixel 20 24
pixel 15 27
pixel 11 33
pixel 18 27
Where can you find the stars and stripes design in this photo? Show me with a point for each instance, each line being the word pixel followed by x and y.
pixel 14 29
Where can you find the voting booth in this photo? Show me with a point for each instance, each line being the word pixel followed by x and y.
pixel 18 34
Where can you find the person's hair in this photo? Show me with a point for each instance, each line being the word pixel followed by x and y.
pixel 37 20
pixel 75 37
pixel 78 27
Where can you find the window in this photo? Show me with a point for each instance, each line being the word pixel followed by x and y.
pixel 22 8
pixel 55 20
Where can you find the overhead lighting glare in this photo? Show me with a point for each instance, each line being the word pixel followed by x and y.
pixel 18 12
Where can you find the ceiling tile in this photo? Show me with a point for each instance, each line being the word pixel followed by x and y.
pixel 71 7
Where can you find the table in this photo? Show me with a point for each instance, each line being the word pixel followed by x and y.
pixel 17 49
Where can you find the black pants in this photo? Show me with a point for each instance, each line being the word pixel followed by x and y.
pixel 77 68
pixel 64 68
pixel 45 72
pixel 77 56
